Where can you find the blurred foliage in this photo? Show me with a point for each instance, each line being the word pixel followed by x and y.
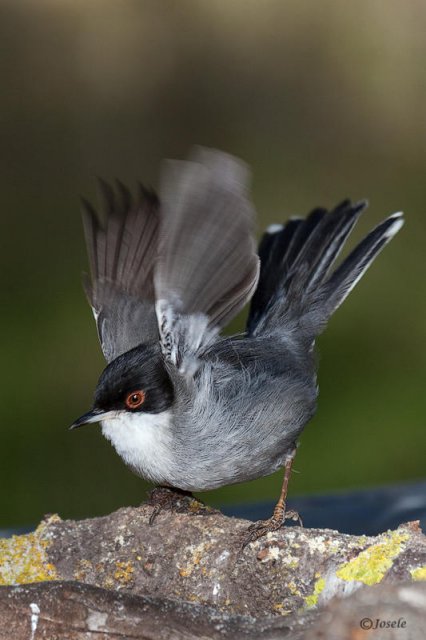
pixel 324 100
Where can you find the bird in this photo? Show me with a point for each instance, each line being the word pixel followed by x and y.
pixel 185 406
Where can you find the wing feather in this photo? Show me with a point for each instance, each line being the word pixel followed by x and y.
pixel 207 267
pixel 122 253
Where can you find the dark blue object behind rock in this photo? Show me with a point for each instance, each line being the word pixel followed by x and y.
pixel 365 511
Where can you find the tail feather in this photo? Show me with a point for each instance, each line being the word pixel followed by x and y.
pixel 296 290
pixel 301 240
pixel 324 247
pixel 345 277
pixel 279 249
pixel 273 246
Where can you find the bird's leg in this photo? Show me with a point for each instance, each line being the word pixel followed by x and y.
pixel 280 514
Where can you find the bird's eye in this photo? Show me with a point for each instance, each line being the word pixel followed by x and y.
pixel 135 399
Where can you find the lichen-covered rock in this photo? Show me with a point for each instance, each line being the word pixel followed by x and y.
pixel 23 559
pixel 195 557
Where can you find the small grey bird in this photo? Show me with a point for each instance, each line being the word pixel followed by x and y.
pixel 183 406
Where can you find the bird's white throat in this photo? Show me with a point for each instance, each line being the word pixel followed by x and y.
pixel 143 440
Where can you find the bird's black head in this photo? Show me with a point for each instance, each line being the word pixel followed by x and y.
pixel 136 381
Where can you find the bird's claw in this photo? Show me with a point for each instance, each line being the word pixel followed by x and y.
pixel 163 498
pixel 262 527
pixel 291 514
pixel 177 500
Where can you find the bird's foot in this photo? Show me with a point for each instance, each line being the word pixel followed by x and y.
pixel 163 498
pixel 262 527
pixel 177 500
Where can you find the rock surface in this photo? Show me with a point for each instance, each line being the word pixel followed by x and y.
pixel 185 577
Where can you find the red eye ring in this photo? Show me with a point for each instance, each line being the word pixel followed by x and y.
pixel 135 399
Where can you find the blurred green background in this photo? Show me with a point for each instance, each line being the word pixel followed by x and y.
pixel 323 99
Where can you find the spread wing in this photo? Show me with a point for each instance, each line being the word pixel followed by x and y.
pixel 122 250
pixel 207 267
pixel 194 255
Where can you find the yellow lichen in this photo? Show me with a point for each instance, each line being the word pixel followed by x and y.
pixel 371 565
pixel 108 583
pixel 124 572
pixel 312 600
pixel 291 586
pixel 195 506
pixel 24 559
pixel 419 573
pixel 279 608
pixel 83 568
pixel 195 558
pixel 192 597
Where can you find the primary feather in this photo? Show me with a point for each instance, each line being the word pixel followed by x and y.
pixel 207 267
pixel 122 250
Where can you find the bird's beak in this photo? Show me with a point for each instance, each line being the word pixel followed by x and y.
pixel 95 415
